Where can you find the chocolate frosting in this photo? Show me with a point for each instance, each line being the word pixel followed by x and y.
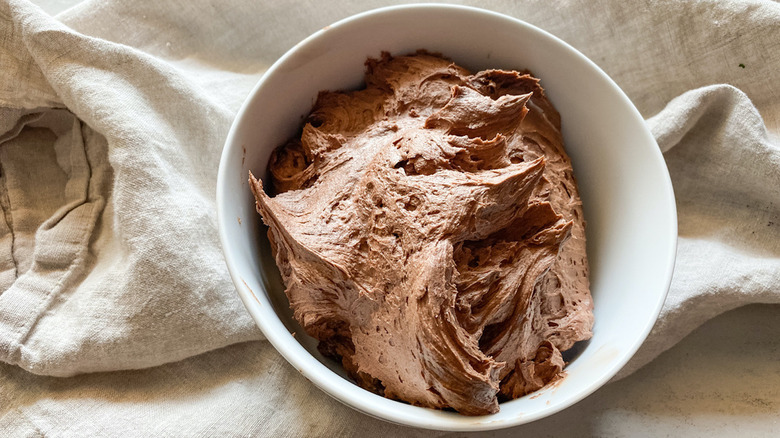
pixel 430 234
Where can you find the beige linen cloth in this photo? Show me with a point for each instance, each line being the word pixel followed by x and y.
pixel 112 120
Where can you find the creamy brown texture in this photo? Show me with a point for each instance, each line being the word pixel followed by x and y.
pixel 429 232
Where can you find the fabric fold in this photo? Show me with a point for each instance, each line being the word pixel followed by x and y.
pixel 110 215
pixel 725 170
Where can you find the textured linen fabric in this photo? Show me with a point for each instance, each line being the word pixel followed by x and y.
pixel 112 118
pixel 109 160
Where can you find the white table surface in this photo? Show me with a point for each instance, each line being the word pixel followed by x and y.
pixel 723 380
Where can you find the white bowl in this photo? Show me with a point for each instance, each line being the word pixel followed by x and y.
pixel 625 187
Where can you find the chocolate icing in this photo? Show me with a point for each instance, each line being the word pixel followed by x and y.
pixel 430 234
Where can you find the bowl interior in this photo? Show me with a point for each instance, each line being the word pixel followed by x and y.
pixel 625 188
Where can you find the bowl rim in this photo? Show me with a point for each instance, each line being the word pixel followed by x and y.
pixel 318 373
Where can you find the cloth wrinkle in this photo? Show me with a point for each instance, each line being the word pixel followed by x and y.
pixel 160 238
pixel 64 261
pixel 7 219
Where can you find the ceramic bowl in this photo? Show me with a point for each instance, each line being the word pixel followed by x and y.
pixel 625 187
